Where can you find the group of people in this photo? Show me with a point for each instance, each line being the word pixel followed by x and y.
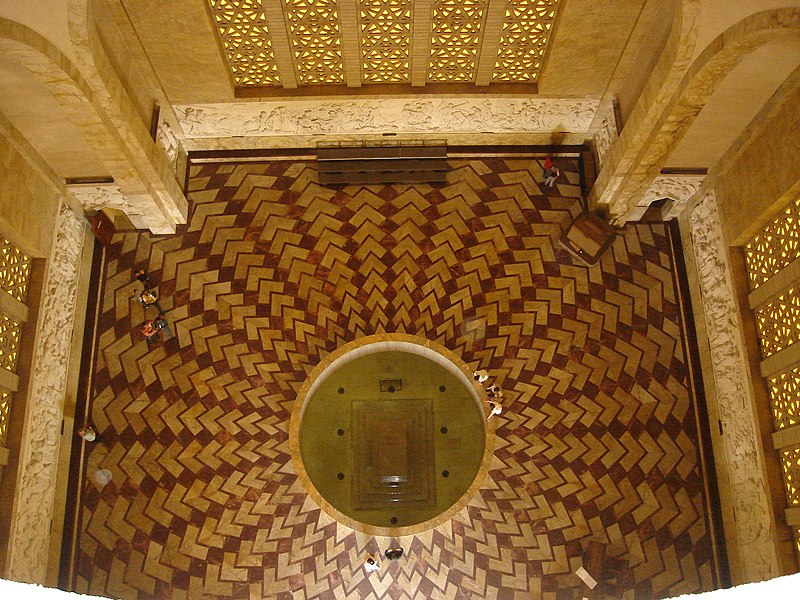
pixel 494 393
pixel 153 329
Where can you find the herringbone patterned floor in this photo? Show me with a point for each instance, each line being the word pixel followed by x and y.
pixel 598 442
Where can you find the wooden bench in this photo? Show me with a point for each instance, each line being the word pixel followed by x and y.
pixel 382 164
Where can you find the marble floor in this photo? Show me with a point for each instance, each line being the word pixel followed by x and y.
pixel 192 493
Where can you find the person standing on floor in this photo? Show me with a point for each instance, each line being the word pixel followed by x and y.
pixel 148 298
pixel 143 277
pixel 495 408
pixel 88 433
pixel 480 376
pixel 371 565
pixel 550 176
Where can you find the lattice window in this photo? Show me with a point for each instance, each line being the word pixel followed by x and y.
pixel 790 460
pixel 523 39
pixel 456 39
pixel 243 29
pixel 9 342
pixel 15 269
pixel 774 247
pixel 784 391
pixel 5 410
pixel 316 41
pixel 779 322
pixel 385 27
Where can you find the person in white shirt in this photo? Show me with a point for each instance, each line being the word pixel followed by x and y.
pixel 480 376
pixel 371 565
pixel 88 433
pixel 495 409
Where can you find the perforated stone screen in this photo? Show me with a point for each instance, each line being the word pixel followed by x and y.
pixel 15 269
pixel 390 41
pixel 774 247
pixel 773 280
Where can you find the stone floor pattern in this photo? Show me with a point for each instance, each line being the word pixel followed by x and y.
pixel 598 440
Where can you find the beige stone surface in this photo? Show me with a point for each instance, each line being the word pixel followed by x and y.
pixel 735 103
pixel 47 17
pixel 718 15
pixel 28 202
pixel 183 49
pixel 765 176
pixel 43 121
pixel 577 64
pixel 645 46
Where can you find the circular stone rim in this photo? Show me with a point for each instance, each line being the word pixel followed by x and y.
pixel 387 342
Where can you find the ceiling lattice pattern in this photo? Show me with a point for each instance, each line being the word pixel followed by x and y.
pixel 15 270
pixel 316 40
pixel 790 460
pixel 9 343
pixel 526 29
pixel 784 391
pixel 307 36
pixel 778 322
pixel 243 30
pixel 385 27
pixel 774 247
pixel 5 411
pixel 456 39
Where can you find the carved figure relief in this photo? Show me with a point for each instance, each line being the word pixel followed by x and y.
pixel 752 510
pixel 678 188
pixel 605 137
pixel 168 141
pixel 420 115
pixel 33 506
pixel 97 196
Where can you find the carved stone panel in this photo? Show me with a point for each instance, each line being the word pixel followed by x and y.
pixel 495 114
pixel 677 188
pixel 742 458
pixel 36 480
pixel 606 136
pixel 97 196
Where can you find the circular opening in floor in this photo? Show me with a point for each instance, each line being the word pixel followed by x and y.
pixel 393 457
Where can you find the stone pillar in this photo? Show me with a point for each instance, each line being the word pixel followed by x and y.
pixel 38 462
pixel 750 525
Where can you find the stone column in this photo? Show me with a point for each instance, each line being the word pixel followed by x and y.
pixel 749 527
pixel 36 480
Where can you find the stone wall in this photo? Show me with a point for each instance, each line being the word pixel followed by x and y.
pixel 28 203
pixel 765 176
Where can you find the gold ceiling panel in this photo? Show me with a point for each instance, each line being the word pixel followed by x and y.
pixel 307 37
pixel 456 39
pixel 243 30
pixel 15 270
pixel 316 41
pixel 526 31
pixel 774 247
pixel 385 27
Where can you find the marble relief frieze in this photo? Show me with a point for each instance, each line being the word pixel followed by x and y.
pixel 396 115
pixel 38 464
pixel 741 439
